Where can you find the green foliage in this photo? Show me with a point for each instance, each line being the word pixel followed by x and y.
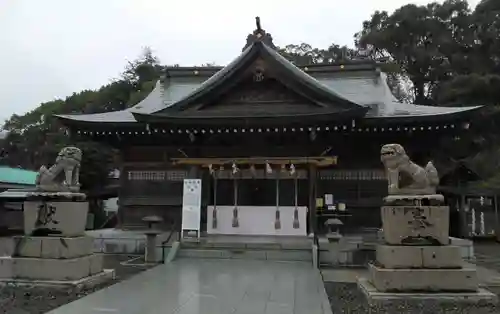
pixel 472 89
pixel 303 54
pixel 430 43
pixel 141 93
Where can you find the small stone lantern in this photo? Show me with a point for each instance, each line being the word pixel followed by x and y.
pixel 151 234
pixel 333 225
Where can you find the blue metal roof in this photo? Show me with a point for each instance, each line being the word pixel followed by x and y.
pixel 17 176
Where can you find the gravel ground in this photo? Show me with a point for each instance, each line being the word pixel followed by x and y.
pixel 26 300
pixel 346 298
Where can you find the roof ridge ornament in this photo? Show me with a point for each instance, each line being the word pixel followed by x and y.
pixel 259 35
pixel 257 23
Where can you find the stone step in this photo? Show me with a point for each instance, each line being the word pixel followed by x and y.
pixel 247 246
pixel 250 254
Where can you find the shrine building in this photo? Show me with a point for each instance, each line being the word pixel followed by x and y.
pixel 268 138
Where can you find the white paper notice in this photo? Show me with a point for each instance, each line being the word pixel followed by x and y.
pixel 191 205
pixel 328 199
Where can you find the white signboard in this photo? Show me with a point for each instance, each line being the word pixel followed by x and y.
pixel 191 205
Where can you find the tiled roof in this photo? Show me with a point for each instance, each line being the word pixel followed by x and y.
pixel 17 176
pixel 364 88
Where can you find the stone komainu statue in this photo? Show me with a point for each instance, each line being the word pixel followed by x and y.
pixel 64 175
pixel 406 177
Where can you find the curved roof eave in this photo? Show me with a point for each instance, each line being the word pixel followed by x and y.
pixel 150 103
pixel 304 118
pixel 423 113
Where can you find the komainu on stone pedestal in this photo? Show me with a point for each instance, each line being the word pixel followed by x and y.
pixel 63 175
pixel 404 176
pixel 416 260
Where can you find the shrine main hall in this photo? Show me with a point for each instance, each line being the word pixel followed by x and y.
pixel 275 144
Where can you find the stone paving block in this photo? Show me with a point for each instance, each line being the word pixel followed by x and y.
pixel 289 255
pixel 198 253
pixel 258 255
pixel 196 286
pixel 279 308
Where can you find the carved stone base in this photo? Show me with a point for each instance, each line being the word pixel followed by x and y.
pixel 80 284
pixel 386 299
pixel 391 256
pixel 53 247
pixel 58 218
pixel 429 280
pixel 50 269
pixel 416 225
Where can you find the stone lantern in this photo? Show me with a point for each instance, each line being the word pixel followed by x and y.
pixel 333 225
pixel 151 235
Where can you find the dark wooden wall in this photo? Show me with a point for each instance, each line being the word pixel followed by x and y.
pixel 151 184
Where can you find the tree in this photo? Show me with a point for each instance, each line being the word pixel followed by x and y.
pixel 487 30
pixel 472 89
pixel 303 54
pixel 429 43
pixel 144 69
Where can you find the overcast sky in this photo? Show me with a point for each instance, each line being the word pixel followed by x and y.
pixel 52 48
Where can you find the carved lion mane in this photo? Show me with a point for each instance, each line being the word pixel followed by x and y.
pixel 64 174
pixel 404 176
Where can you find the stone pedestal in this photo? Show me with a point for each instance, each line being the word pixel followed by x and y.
pixel 417 260
pixel 53 261
pixel 62 257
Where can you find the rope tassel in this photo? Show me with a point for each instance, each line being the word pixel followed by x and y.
pixel 277 222
pixel 296 224
pixel 214 218
pixel 236 223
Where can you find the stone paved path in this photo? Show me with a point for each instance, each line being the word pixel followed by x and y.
pixel 192 286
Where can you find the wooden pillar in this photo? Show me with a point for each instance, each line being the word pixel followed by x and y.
pixel 122 179
pixel 193 172
pixel 312 199
pixel 464 230
pixel 497 226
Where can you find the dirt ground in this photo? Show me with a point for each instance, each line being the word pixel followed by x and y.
pixel 26 300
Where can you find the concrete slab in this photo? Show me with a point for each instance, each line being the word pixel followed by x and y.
pixel 376 297
pixel 212 286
